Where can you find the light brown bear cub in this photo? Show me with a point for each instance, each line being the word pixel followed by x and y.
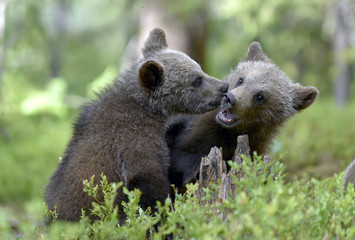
pixel 121 133
pixel 264 99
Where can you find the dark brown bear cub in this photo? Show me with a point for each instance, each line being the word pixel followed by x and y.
pixel 264 99
pixel 121 133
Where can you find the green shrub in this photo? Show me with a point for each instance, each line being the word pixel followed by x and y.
pixel 319 141
pixel 265 207
pixel 30 154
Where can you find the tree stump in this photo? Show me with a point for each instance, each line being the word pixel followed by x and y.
pixel 213 168
pixel 242 148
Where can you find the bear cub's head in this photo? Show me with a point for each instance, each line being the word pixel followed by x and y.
pixel 263 93
pixel 174 82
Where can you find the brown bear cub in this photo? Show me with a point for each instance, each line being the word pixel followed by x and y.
pixel 121 133
pixel 264 99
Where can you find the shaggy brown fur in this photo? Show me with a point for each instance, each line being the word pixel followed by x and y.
pixel 265 99
pixel 121 133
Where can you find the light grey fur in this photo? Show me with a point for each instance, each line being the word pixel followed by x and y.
pixel 349 176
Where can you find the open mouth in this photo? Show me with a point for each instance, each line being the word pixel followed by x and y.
pixel 226 117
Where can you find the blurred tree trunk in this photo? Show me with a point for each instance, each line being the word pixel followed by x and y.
pixel 185 32
pixel 3 132
pixel 196 33
pixel 2 41
pixel 344 31
pixel 60 13
pixel 9 36
pixel 6 42
pixel 301 66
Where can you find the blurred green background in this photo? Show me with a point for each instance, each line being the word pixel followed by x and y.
pixel 55 54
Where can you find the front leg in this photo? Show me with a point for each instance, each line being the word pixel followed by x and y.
pixel 153 185
pixel 148 172
pixel 184 167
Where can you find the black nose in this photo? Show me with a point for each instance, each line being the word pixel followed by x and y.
pixel 229 99
pixel 224 87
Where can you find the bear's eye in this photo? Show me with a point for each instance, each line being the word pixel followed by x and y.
pixel 240 81
pixel 197 82
pixel 260 98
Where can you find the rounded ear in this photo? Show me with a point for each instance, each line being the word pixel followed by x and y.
pixel 155 42
pixel 304 96
pixel 151 75
pixel 255 53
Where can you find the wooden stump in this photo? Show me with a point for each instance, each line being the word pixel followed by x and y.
pixel 213 168
pixel 242 148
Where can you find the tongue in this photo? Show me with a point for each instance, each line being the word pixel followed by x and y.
pixel 226 117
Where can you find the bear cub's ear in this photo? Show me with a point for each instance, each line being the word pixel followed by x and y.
pixel 255 53
pixel 155 42
pixel 304 96
pixel 151 75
